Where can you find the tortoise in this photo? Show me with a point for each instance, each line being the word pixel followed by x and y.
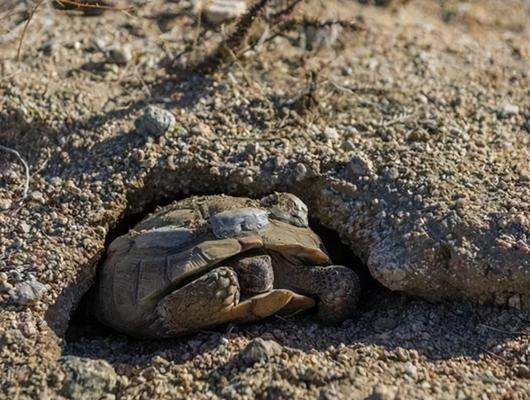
pixel 210 260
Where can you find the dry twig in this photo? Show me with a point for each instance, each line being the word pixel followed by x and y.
pixel 28 21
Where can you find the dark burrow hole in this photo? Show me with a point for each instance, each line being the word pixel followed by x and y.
pixel 83 326
pixel 386 318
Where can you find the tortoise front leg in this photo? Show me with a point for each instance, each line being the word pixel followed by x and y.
pixel 336 287
pixel 213 299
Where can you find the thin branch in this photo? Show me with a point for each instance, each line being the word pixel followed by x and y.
pixel 26 168
pixel 98 5
pixel 23 35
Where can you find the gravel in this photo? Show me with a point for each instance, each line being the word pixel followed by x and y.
pixel 425 183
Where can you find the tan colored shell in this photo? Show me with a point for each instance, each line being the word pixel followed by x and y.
pixel 178 243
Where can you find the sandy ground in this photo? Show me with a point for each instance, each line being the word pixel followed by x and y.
pixel 435 93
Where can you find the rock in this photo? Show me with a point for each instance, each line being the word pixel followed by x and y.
pixel 522 371
pixel 359 165
pixel 155 121
pixel 24 227
pixel 49 48
pixel 118 55
pixel 300 171
pixel 237 391
pixel 86 378
pixel 56 181
pixel 218 11
pixel 331 134
pixel 28 292
pixel 411 370
pixel 515 301
pixel 507 110
pixel 11 336
pixel 5 204
pixel 259 350
pixel 5 286
pixel 348 145
pixel 382 392
pixel 316 37
pixel 37 197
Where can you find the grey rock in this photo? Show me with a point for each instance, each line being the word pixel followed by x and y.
pixel 11 336
pixel 28 292
pixel 86 378
pixel 508 109
pixel 300 171
pixel 359 165
pixel 37 197
pixel 118 55
pixel 331 134
pixel 24 227
pixel 237 390
pixel 381 392
pixel 5 204
pixel 411 370
pixel 259 350
pixel 316 37
pixel 155 121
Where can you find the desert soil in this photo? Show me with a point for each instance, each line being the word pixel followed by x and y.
pixel 416 126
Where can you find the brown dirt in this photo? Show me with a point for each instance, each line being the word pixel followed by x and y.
pixel 426 94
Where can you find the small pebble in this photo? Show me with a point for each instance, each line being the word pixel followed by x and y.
pixel 118 55
pixel 348 145
pixel 316 37
pixel 508 109
pixel 411 370
pixel 360 165
pixel 37 197
pixel 218 11
pixel 300 171
pixel 56 181
pixel 522 371
pixel 259 350
pixel 155 121
pixel 5 204
pixel 24 227
pixel 381 392
pixel 331 134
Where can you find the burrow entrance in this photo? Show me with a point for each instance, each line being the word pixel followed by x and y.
pixel 83 328
pixel 384 318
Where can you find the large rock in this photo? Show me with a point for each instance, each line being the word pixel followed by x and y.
pixel 87 379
